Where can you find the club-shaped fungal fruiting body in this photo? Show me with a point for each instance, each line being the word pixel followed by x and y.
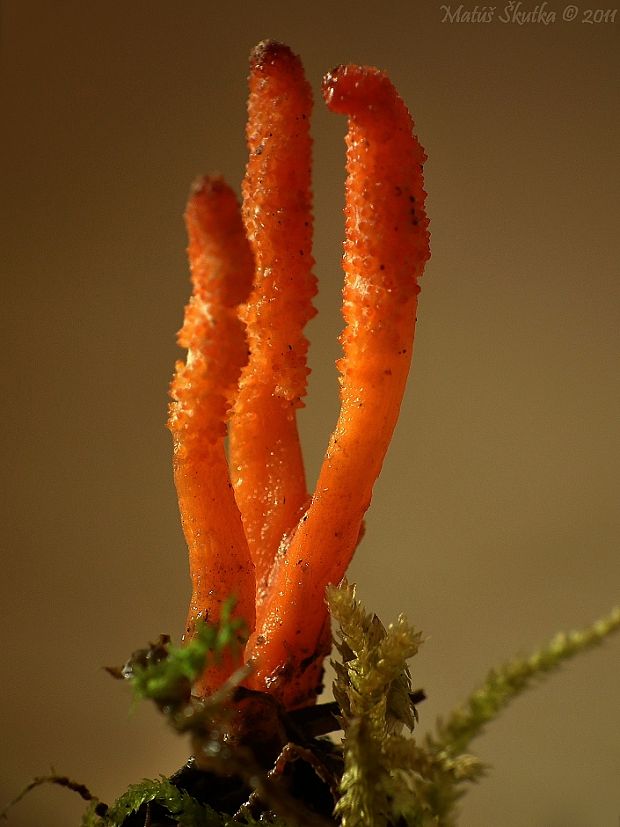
pixel 252 528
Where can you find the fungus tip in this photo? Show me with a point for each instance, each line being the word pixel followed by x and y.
pixel 269 53
pixel 349 88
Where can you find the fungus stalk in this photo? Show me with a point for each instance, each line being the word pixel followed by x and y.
pixel 254 531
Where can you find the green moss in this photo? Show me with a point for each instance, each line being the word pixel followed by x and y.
pixel 449 766
pixel 388 777
pixel 505 684
pixel 372 687
pixel 186 810
pixel 165 673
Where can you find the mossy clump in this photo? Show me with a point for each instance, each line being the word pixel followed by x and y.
pixel 253 762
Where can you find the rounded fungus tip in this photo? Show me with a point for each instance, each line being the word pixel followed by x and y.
pixel 349 88
pixel 268 53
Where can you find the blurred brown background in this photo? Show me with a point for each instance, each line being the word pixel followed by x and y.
pixel 495 521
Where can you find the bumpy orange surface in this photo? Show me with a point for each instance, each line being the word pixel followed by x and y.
pixel 265 454
pixel 202 389
pixel 386 247
pixel 269 541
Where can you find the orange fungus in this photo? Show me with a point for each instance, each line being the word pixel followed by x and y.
pixel 253 531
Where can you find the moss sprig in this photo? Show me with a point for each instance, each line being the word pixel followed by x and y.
pixel 503 685
pixel 389 776
pixel 187 811
pixel 372 686
pixel 449 766
pixel 164 673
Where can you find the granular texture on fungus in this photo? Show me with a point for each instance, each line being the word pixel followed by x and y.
pixel 252 528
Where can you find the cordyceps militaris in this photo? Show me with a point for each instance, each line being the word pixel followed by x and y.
pixel 252 527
